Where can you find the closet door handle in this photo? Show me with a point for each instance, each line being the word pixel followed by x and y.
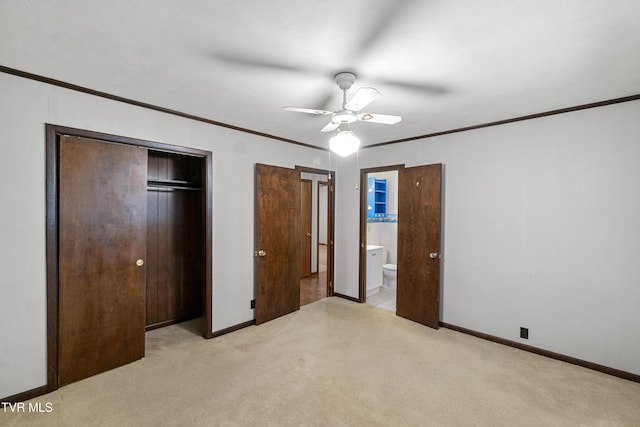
pixel 140 262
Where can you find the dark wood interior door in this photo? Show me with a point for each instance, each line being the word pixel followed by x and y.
pixel 102 250
pixel 419 218
pixel 305 227
pixel 277 228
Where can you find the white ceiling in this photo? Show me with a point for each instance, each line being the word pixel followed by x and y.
pixel 439 64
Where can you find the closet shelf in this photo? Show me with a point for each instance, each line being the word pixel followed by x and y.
pixel 172 183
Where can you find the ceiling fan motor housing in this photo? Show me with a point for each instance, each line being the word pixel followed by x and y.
pixel 344 116
pixel 349 112
pixel 345 80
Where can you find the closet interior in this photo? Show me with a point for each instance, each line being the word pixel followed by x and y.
pixel 174 239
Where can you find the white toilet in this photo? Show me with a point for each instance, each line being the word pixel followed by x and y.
pixel 389 276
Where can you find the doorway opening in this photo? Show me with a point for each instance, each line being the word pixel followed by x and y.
pixel 379 224
pixel 314 238
pixel 279 237
pixel 418 241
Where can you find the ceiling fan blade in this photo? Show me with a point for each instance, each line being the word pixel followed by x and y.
pixel 326 101
pixel 362 98
pixel 238 60
pixel 426 88
pixel 379 118
pixel 330 126
pixel 307 110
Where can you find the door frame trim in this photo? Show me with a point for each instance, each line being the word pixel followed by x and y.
pixel 362 262
pixel 331 202
pixel 310 181
pixel 318 185
pixel 52 145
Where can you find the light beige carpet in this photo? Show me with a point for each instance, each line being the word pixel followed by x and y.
pixel 338 363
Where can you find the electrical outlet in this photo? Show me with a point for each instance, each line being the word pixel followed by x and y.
pixel 524 333
pixel 253 303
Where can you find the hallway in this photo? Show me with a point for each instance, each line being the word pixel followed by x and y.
pixel 314 287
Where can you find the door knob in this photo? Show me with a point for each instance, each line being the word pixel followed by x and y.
pixel 261 252
pixel 140 262
pixel 308 234
pixel 433 255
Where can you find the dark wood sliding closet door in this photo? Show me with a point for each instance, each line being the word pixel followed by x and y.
pixel 102 250
pixel 174 239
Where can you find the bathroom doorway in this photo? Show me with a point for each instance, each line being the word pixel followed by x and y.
pixel 418 223
pixel 379 193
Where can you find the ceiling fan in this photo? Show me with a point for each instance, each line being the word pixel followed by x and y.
pixel 350 111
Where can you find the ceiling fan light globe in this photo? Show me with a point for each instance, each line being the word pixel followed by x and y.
pixel 344 143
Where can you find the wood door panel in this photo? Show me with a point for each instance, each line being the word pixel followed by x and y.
pixel 174 228
pixel 192 296
pixel 305 227
pixel 277 231
pixel 419 218
pixel 187 272
pixel 153 257
pixel 102 232
pixel 172 269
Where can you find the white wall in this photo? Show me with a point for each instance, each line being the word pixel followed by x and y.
pixel 323 214
pixel 25 107
pixel 541 221
pixel 541 230
pixel 347 226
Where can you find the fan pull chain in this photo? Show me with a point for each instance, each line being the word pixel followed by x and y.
pixel 329 173
pixel 358 169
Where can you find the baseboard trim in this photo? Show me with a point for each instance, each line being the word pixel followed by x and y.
pixel 233 328
pixel 166 323
pixel 26 395
pixel 336 294
pixel 553 355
